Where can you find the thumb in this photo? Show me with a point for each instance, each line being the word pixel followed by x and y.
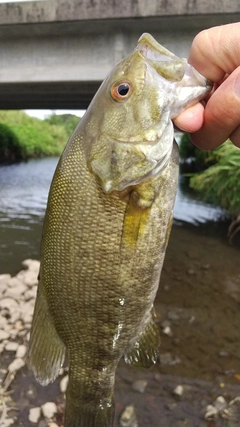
pixel 221 115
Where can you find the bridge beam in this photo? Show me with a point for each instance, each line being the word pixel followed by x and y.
pixel 54 54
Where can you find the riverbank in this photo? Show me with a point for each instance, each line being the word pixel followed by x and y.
pixel 198 315
pixel 213 175
pixel 23 137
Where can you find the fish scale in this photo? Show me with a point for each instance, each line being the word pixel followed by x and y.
pixel 106 229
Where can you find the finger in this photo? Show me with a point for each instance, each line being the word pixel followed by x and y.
pixel 191 119
pixel 235 137
pixel 221 115
pixel 215 51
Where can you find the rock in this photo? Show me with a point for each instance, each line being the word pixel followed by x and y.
pixel 21 351
pixel 223 354
pixel 3 322
pixel 178 391
pixel 30 293
pixel 64 384
pixel 128 417
pixel 27 318
pixel 30 278
pixel 14 282
pixel 167 359
pixel 211 412
pixel 19 325
pixel 167 331
pixel 8 303
pixel 31 264
pixel 17 364
pixel 3 282
pixel 173 315
pixel 4 335
pixel 220 403
pixel 4 278
pixel 49 409
pixel 7 422
pixel 52 425
pixel 14 316
pixel 139 385
pixel 13 333
pixel 34 415
pixel 11 346
pixel 16 291
pixel 232 411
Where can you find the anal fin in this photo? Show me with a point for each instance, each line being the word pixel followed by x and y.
pixel 46 350
pixel 145 350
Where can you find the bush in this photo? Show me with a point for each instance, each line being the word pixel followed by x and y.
pixel 189 153
pixel 30 137
pixel 10 148
pixel 219 184
pixel 68 121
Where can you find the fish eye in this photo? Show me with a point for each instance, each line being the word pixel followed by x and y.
pixel 121 90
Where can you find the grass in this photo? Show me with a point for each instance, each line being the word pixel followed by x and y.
pixel 23 137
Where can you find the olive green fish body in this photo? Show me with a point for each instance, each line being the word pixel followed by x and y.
pixel 105 233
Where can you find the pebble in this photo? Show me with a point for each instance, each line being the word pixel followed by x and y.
pixel 139 385
pixel 21 351
pixel 34 415
pixel 11 346
pixel 167 331
pixel 4 335
pixel 17 364
pixel 49 409
pixel 220 403
pixel 64 384
pixel 128 417
pixel 8 303
pixel 211 412
pixel 7 422
pixel 17 299
pixel 178 391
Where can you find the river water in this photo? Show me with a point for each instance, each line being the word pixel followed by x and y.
pixel 198 298
pixel 23 195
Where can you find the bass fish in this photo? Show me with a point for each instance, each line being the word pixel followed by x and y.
pixel 106 229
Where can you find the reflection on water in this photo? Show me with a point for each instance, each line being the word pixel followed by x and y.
pixel 23 195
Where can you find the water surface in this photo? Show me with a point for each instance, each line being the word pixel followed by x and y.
pixel 23 195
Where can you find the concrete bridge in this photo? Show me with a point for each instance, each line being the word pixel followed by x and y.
pixel 55 53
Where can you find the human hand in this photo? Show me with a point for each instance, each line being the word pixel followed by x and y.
pixel 215 53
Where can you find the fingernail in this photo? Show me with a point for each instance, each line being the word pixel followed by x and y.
pixel 237 86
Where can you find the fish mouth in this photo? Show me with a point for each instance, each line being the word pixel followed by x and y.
pixel 161 59
pixel 151 49
pixel 168 65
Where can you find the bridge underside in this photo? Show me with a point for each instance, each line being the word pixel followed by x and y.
pixel 59 61
pixel 47 95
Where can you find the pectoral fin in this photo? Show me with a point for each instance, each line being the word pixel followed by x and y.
pixel 145 351
pixel 46 350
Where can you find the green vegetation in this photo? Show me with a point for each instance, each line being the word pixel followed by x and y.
pixel 218 182
pixel 23 137
pixel 197 160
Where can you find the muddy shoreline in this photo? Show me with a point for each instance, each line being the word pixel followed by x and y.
pixel 198 314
